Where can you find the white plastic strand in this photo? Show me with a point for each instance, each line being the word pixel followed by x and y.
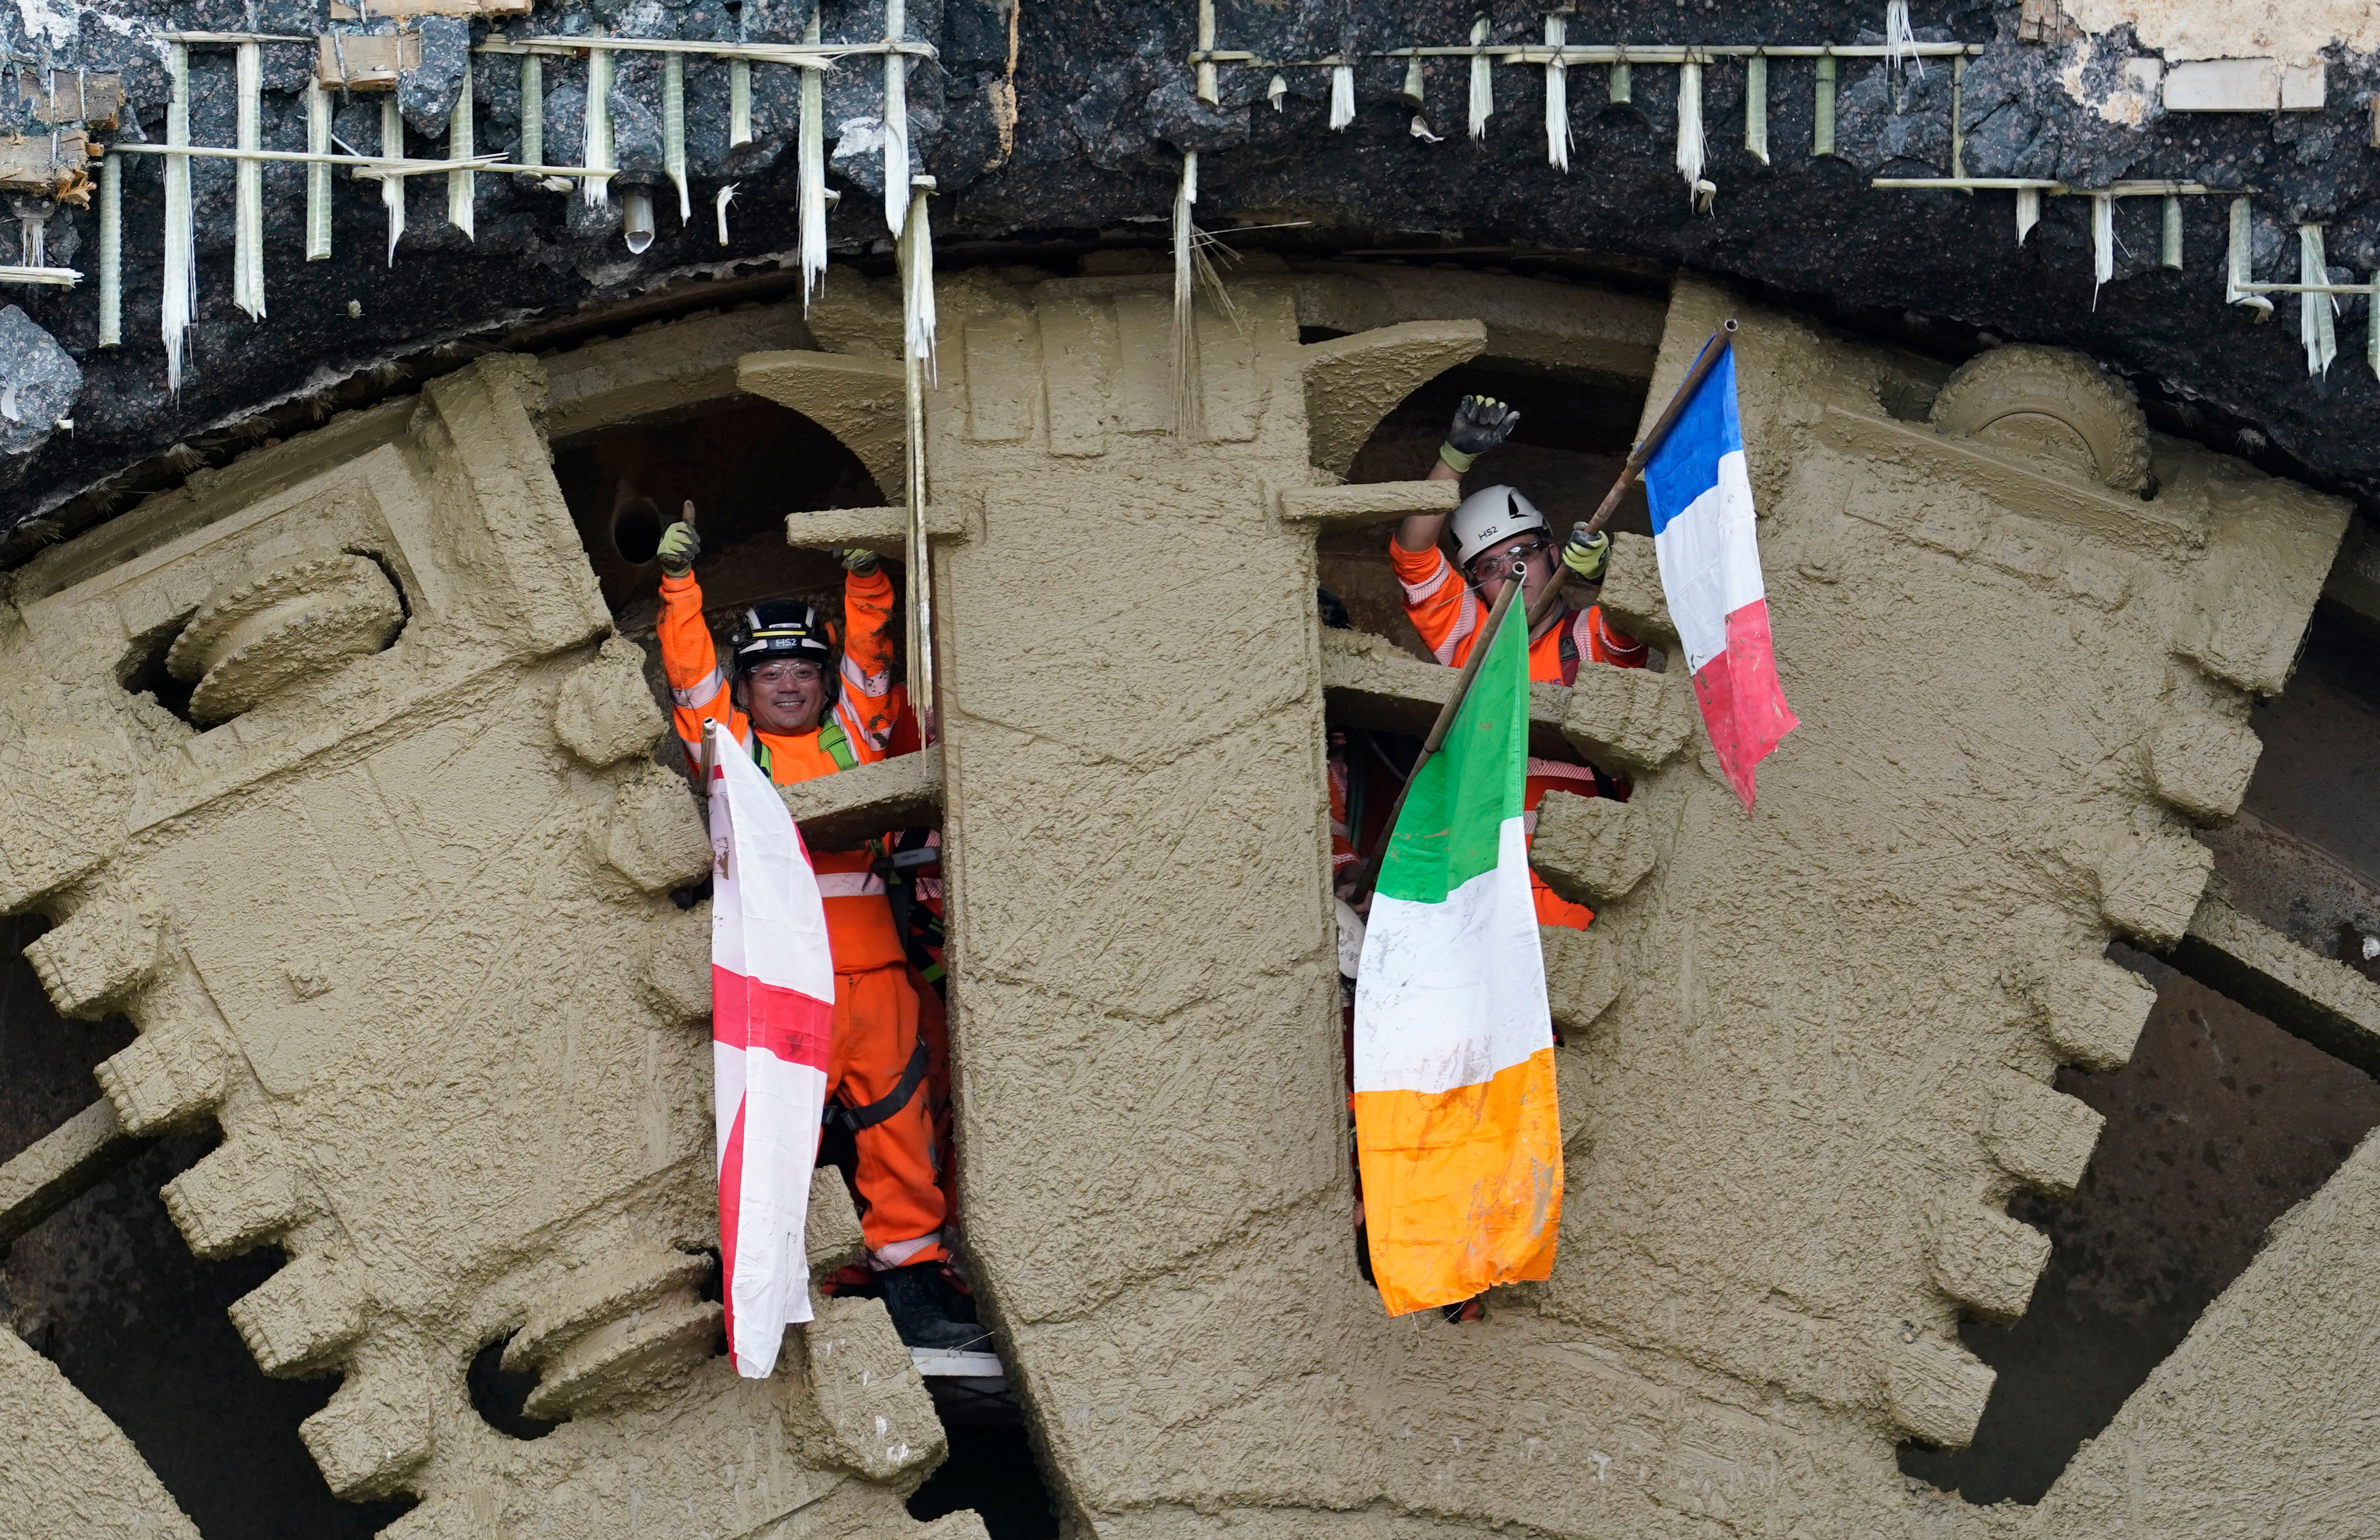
pixel 896 120
pixel 1900 40
pixel 1558 141
pixel 2170 233
pixel 673 130
pixel 917 298
pixel 111 252
pixel 1343 96
pixel 1756 107
pixel 2103 243
pixel 1690 133
pixel 1483 82
pixel 247 185
pixel 2028 212
pixel 812 170
pixel 726 196
pixel 1186 384
pixel 2239 268
pixel 317 176
pixel 597 190
pixel 918 370
pixel 392 186
pixel 2317 313
pixel 739 101
pixel 462 187
pixel 180 302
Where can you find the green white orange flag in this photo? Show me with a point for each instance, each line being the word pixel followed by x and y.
pixel 1456 1130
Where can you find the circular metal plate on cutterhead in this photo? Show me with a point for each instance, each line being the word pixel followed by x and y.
pixel 302 619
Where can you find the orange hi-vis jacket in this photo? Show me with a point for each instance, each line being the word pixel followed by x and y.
pixel 1448 613
pixel 858 919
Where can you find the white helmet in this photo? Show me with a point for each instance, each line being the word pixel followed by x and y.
pixel 1492 515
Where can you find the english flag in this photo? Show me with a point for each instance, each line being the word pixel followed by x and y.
pixel 1701 497
pixel 771 1001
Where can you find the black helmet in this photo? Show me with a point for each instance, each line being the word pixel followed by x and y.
pixel 779 628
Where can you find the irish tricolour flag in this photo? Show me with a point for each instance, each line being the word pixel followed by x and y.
pixel 1455 1125
pixel 771 1002
pixel 1701 497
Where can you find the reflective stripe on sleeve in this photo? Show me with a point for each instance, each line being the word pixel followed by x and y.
pixel 865 683
pixel 1554 769
pixel 1416 592
pixel 849 884
pixel 887 1258
pixel 1466 621
pixel 702 692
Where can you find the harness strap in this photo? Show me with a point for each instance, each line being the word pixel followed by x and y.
pixel 856 1118
pixel 831 740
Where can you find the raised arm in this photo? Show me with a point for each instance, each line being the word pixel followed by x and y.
pixel 1481 422
pixel 869 703
pixel 690 659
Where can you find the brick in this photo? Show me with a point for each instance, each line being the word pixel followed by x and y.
pixel 1632 719
pixel 166 1079
pixel 1984 1259
pixel 605 712
pixel 2149 888
pixel 1936 1392
pixel 1582 976
pixel 376 1429
pixel 655 838
pixel 97 958
pixel 2200 765
pixel 2039 1136
pixel 236 1198
pixel 2091 1011
pixel 1591 849
pixel 296 1320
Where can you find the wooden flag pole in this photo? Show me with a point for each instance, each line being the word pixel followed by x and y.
pixel 1704 361
pixel 1368 875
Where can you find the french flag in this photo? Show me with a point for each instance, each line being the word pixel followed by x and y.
pixel 1701 498
pixel 772 1005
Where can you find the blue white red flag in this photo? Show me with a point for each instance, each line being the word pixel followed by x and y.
pixel 1701 497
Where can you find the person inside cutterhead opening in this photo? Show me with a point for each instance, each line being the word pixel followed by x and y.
pixel 800 713
pixel 1496 529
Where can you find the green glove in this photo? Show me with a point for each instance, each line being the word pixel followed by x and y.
pixel 680 545
pixel 1587 555
pixel 856 562
pixel 1481 422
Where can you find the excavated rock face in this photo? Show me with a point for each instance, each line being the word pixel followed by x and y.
pixel 400 925
pixel 1064 123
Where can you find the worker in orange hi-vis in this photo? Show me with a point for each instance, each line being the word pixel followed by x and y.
pixel 782 700
pixel 1448 601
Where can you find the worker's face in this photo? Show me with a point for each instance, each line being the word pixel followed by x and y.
pixel 785 696
pixel 1491 568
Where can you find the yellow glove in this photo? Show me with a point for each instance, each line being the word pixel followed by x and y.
pixel 1587 555
pixel 680 545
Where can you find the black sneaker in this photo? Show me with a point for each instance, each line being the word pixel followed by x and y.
pixel 913 1297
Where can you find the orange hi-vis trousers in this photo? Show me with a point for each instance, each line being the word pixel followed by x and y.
pixel 874 1036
